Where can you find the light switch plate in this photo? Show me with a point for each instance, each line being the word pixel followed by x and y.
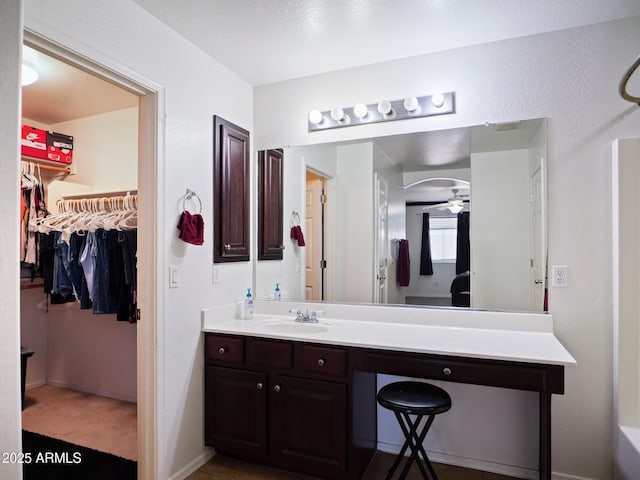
pixel 173 276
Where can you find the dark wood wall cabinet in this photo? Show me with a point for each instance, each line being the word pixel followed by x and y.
pixel 270 214
pixel 311 408
pixel 231 181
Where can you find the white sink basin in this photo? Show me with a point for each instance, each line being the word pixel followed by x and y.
pixel 293 327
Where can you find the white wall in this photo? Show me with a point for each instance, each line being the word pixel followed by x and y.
pixel 10 54
pixel 499 230
pixel 105 150
pixel 569 77
pixel 354 181
pixel 196 87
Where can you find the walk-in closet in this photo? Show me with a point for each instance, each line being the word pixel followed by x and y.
pixel 78 259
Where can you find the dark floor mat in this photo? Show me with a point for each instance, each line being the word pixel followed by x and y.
pixel 47 458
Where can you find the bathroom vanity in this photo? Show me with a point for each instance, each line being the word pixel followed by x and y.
pixel 302 397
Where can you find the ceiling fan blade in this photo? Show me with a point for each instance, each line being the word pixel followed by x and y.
pixel 437 205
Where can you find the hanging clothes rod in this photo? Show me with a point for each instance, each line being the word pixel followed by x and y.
pixel 120 193
pixel 51 168
pixel 625 80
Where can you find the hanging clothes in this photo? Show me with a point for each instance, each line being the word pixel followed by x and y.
pixel 97 267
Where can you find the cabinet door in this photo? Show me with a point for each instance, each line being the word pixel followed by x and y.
pixel 270 221
pixel 308 425
pixel 231 192
pixel 235 411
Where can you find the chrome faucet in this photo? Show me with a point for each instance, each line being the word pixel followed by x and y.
pixel 306 316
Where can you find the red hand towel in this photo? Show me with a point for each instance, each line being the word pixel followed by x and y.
pixel 191 228
pixel 296 234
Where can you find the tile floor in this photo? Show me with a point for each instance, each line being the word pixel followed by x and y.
pixel 225 468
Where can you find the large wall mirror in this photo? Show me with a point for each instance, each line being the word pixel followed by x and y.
pixel 373 211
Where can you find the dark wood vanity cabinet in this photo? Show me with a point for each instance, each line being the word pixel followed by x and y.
pixel 270 209
pixel 311 408
pixel 231 181
pixel 283 404
pixel 236 408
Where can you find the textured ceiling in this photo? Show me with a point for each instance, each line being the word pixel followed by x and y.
pixel 266 41
pixel 65 93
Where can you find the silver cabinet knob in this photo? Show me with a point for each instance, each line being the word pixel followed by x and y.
pixel 277 388
pixel 222 350
pixel 227 247
pixel 321 362
pixel 538 281
pixel 259 385
pixel 446 371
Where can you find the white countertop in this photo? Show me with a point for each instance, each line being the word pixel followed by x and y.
pixel 512 336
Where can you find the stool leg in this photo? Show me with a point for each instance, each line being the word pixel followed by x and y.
pixel 419 441
pixel 414 440
pixel 410 429
pixel 402 450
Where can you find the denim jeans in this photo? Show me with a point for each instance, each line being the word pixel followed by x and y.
pixel 61 271
pixel 76 246
pixel 102 299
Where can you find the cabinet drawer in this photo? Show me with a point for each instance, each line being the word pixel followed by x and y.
pixel 220 348
pixel 454 369
pixel 324 360
pixel 269 353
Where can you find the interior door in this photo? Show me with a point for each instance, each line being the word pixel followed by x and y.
pixel 381 241
pixel 314 237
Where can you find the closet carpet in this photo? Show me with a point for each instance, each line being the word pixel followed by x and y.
pixel 103 424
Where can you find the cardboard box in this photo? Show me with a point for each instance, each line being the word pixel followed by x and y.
pixel 33 142
pixel 59 148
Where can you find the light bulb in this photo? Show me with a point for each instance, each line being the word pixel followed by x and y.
pixel 437 99
pixel 315 117
pixel 360 110
pixel 337 114
pixel 411 104
pixel 384 107
pixel 29 75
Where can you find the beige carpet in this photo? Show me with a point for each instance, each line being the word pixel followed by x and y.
pixel 101 423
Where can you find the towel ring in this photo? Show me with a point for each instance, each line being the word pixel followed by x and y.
pixel 295 219
pixel 188 196
pixel 625 79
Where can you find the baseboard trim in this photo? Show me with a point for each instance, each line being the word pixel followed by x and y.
pixel 472 463
pixel 37 384
pixel 101 393
pixel 194 465
pixel 563 476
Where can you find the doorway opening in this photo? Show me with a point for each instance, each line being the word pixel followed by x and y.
pixel 315 252
pixel 72 370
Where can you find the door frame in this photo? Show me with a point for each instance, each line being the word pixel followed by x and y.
pixel 150 336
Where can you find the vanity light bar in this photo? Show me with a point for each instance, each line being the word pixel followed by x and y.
pixel 383 111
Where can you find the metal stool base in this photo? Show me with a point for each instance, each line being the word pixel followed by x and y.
pixel 413 442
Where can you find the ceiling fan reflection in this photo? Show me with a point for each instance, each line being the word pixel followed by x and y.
pixel 454 204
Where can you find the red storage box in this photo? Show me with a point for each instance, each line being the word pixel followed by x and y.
pixel 33 142
pixel 59 148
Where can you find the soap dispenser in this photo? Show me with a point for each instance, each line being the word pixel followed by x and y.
pixel 277 294
pixel 248 305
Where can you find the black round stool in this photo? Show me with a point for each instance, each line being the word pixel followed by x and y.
pixel 419 399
